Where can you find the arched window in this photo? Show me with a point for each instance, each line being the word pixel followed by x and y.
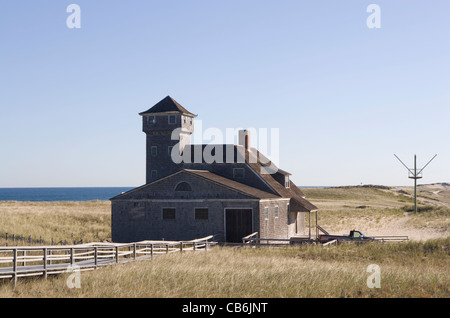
pixel 183 186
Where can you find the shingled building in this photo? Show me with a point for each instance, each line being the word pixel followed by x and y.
pixel 188 196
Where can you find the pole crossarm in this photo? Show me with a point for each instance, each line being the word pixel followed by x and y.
pixel 427 164
pixel 404 165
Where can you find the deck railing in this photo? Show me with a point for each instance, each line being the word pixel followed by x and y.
pixel 23 261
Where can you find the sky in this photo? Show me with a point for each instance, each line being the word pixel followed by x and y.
pixel 344 97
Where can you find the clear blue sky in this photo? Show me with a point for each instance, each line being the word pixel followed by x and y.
pixel 345 97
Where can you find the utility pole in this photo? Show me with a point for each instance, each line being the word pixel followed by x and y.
pixel 414 174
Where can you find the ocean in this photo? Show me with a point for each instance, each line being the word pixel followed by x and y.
pixel 61 194
pixel 65 194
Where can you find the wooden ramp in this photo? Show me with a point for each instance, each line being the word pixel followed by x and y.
pixel 24 261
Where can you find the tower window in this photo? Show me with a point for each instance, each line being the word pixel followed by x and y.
pixel 151 119
pixel 154 150
pixel 172 119
pixel 286 182
pixel 276 212
pixel 154 174
pixel 266 213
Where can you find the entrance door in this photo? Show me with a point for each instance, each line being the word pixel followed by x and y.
pixel 238 224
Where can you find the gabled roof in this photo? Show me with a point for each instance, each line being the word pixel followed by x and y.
pixel 211 177
pixel 246 189
pixel 168 105
pixel 263 167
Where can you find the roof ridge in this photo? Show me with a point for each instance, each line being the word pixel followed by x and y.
pixel 167 105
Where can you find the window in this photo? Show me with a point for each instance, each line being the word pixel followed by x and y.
pixel 286 182
pixel 151 119
pixel 154 174
pixel 172 119
pixel 190 121
pixel 238 173
pixel 276 211
pixel 154 150
pixel 184 119
pixel 201 213
pixel 183 186
pixel 168 213
pixel 266 213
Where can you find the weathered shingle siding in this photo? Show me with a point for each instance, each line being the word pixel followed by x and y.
pixel 145 221
pixel 274 227
pixel 137 215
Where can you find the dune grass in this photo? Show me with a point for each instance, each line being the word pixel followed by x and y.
pixel 414 269
pixel 89 220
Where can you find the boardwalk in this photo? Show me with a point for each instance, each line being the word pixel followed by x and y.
pixel 24 261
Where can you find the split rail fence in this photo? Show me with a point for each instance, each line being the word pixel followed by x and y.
pixel 24 261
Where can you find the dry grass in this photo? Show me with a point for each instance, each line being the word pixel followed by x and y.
pixel 378 212
pixel 57 220
pixel 407 270
pixel 415 269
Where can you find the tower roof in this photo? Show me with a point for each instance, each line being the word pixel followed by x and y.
pixel 168 105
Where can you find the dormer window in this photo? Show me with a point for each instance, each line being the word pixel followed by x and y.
pixel 172 119
pixel 286 182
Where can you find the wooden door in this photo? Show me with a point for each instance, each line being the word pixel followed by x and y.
pixel 238 224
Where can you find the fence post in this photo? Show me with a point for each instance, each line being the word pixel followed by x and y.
pixel 151 251
pixel 167 248
pixel 15 265
pixel 96 256
pixel 45 262
pixel 117 254
pixel 72 256
pixel 134 251
pixel 181 247
pixel 24 253
pixel 194 246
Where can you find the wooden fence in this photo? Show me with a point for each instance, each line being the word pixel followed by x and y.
pixel 23 261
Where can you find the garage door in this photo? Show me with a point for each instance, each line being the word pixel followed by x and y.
pixel 238 224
